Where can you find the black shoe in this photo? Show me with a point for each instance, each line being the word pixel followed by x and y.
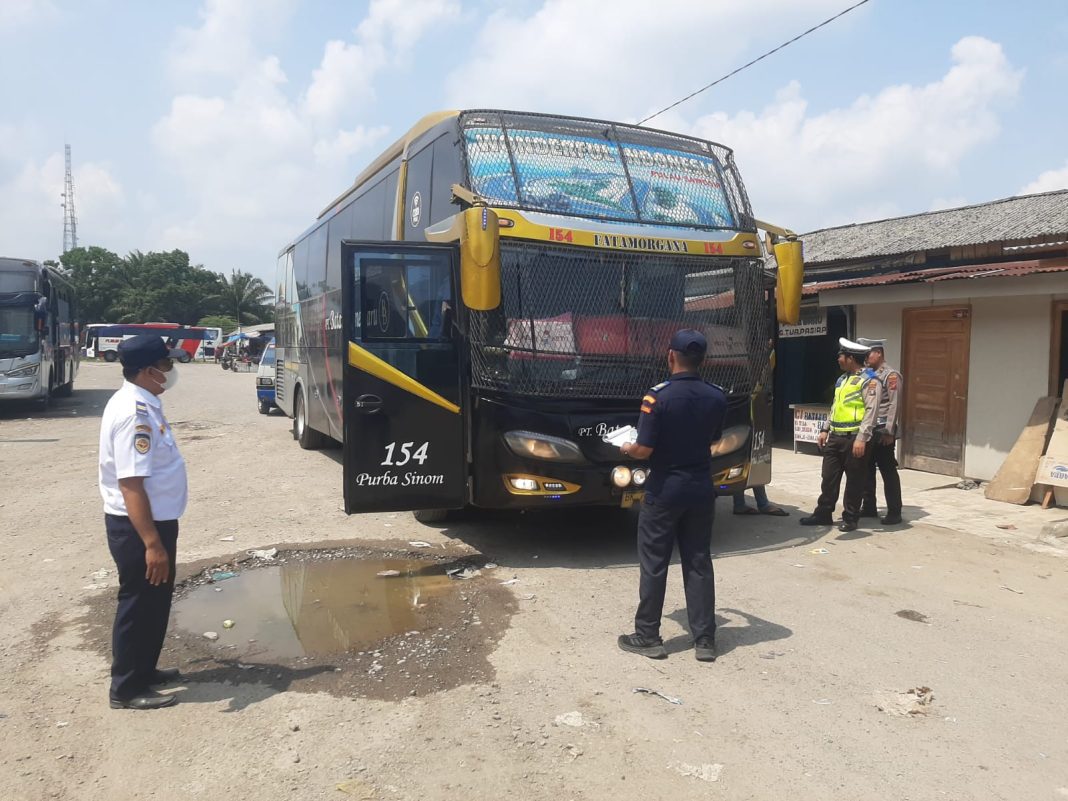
pixel 815 520
pixel 844 526
pixel 146 700
pixel 164 676
pixel 891 519
pixel 704 648
pixel 637 644
pixel 869 512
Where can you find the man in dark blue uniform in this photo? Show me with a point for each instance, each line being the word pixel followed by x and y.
pixel 679 421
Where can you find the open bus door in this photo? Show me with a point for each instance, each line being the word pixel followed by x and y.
pixel 403 425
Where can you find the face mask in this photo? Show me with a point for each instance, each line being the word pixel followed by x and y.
pixel 170 378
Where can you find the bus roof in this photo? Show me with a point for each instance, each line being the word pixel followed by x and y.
pixel 399 149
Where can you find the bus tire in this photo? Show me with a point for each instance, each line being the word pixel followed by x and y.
pixel 185 358
pixel 430 516
pixel 308 438
pixel 65 391
pixel 265 407
pixel 110 355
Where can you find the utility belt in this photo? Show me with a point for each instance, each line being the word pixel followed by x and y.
pixel 844 434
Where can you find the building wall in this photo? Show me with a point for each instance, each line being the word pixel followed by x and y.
pixel 1008 366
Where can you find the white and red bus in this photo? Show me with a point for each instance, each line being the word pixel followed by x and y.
pixel 102 339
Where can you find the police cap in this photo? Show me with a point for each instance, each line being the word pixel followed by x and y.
pixel 144 350
pixel 872 343
pixel 851 348
pixel 689 341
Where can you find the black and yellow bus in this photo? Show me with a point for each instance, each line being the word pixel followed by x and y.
pixel 495 293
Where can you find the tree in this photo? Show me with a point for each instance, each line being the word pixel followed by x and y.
pixel 246 297
pixel 226 323
pixel 96 276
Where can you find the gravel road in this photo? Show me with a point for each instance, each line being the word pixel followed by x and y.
pixel 915 664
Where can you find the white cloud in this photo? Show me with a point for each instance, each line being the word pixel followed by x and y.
pixel 31 217
pixel 899 146
pixel 348 71
pixel 257 156
pixel 15 14
pixel 224 44
pixel 617 60
pixel 1049 181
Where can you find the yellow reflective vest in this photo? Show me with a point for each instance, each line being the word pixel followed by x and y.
pixel 848 411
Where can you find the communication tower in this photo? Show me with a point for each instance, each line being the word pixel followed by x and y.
pixel 70 219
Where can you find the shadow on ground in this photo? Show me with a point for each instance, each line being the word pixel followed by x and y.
pixel 585 538
pixel 83 403
pixel 241 686
pixel 734 629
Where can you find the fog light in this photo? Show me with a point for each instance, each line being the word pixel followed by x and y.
pixel 735 472
pixel 639 476
pixel 524 484
pixel 621 476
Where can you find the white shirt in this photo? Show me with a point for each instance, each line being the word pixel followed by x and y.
pixel 136 440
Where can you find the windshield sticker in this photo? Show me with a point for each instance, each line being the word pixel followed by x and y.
pixel 591 177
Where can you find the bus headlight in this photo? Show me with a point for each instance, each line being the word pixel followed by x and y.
pixel 638 476
pixel 543 446
pixel 733 438
pixel 621 476
pixel 265 382
pixel 22 372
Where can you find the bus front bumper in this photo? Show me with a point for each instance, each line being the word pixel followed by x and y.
pixel 20 388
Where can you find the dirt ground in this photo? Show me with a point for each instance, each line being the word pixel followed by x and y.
pixel 822 638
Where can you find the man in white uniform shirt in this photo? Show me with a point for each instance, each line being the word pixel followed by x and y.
pixel 143 483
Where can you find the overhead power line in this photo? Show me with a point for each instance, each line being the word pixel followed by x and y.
pixel 754 61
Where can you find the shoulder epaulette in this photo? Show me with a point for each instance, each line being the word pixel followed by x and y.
pixel 141 408
pixel 659 386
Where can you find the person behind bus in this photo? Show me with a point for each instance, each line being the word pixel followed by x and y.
pixel 143 483
pixel 844 439
pixel 679 421
pixel 763 505
pixel 884 440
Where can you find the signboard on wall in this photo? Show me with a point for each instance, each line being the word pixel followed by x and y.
pixel 812 324
pixel 808 422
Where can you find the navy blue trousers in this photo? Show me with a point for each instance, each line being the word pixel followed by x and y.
pixel 659 528
pixel 143 611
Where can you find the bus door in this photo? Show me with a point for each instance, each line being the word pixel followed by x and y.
pixel 403 426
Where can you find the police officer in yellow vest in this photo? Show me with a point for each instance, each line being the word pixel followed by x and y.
pixel 845 437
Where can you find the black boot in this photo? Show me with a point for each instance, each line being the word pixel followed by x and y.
pixel 891 519
pixel 845 526
pixel 815 520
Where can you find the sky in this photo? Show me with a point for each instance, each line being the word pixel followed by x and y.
pixel 222 127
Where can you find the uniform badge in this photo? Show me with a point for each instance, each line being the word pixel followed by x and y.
pixel 141 408
pixel 647 404
pixel 891 382
pixel 142 443
pixel 140 427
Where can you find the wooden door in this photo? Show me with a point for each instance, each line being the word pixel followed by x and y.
pixel 936 388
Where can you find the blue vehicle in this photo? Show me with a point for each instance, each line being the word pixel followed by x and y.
pixel 265 381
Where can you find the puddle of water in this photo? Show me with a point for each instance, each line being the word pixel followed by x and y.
pixel 315 608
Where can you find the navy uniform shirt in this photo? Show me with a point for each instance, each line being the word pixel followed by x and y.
pixel 680 419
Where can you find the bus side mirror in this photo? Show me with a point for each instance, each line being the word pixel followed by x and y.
pixel 791 276
pixel 480 259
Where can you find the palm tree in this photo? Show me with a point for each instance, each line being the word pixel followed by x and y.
pixel 246 297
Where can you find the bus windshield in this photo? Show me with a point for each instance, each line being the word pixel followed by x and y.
pixel 17 334
pixel 596 323
pixel 602 171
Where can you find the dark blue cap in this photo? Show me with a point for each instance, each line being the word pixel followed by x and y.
pixel 689 341
pixel 144 350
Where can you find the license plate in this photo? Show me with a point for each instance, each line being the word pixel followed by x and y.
pixel 630 498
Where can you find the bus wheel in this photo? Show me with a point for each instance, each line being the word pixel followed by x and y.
pixel 308 438
pixel 66 390
pixel 184 358
pixel 265 407
pixel 110 355
pixel 430 516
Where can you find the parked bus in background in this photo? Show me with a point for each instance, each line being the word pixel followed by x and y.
pixel 38 333
pixel 495 293
pixel 102 339
pixel 209 347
